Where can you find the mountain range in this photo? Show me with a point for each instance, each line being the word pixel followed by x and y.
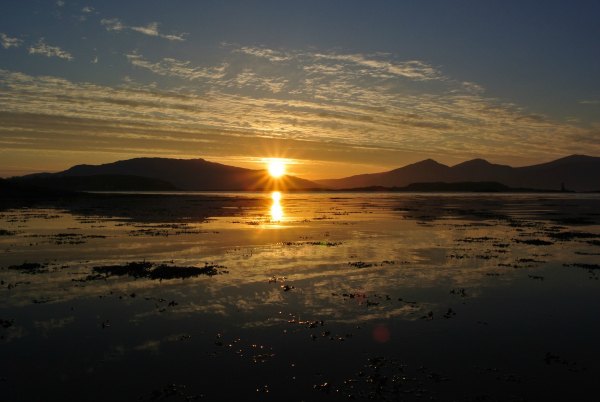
pixel 165 174
pixel 575 173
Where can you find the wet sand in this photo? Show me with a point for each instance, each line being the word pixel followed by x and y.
pixel 315 297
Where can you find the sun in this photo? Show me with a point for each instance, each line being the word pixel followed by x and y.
pixel 276 167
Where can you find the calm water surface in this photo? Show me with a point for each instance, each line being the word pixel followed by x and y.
pixel 301 297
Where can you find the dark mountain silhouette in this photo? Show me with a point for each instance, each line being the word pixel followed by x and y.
pixel 184 174
pixel 575 172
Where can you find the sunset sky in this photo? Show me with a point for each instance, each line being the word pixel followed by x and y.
pixel 338 87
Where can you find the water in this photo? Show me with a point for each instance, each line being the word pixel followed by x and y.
pixel 309 297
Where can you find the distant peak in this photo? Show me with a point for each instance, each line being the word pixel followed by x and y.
pixel 427 162
pixel 577 157
pixel 424 164
pixel 156 158
pixel 474 162
pixel 478 160
pixel 572 159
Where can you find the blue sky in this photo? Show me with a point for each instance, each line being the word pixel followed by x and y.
pixel 339 87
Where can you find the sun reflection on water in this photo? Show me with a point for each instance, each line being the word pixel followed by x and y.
pixel 276 208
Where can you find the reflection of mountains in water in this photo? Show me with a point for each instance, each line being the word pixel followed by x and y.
pixel 200 207
pixel 576 173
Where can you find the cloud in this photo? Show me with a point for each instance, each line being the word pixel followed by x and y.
pixel 60 3
pixel 49 51
pixel 214 76
pixel 590 102
pixel 86 12
pixel 324 69
pixel 374 65
pixel 137 117
pixel 176 68
pixel 311 103
pixel 248 78
pixel 269 54
pixel 152 30
pixel 472 87
pixel 114 24
pixel 8 42
pixel 413 69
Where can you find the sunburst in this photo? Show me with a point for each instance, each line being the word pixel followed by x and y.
pixel 276 167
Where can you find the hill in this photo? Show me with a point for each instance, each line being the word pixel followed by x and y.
pixel 167 174
pixel 575 172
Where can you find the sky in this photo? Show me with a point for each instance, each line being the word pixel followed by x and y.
pixel 337 87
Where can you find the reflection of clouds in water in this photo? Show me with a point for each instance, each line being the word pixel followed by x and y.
pixel 256 300
pixel 405 312
pixel 12 333
pixel 449 253
pixel 148 346
pixel 53 323
pixel 223 303
pixel 115 353
pixel 214 308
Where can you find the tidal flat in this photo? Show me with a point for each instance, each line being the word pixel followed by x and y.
pixel 301 297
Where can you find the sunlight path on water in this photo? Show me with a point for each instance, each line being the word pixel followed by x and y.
pixel 276 208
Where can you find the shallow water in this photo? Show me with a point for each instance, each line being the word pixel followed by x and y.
pixel 313 297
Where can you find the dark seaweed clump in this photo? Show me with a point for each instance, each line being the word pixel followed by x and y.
pixel 6 323
pixel 172 272
pixel 4 232
pixel 150 270
pixel 573 235
pixel 360 264
pixel 535 242
pixel 135 269
pixel 29 267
